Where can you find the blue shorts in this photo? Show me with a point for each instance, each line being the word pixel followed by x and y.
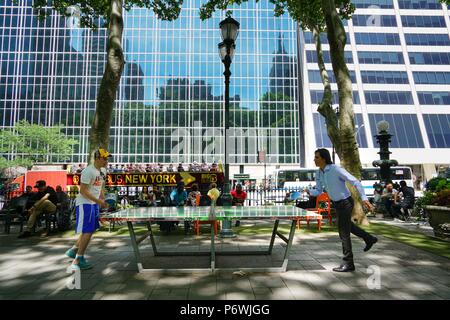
pixel 87 218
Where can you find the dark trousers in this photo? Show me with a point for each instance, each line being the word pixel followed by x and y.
pixel 397 209
pixel 346 226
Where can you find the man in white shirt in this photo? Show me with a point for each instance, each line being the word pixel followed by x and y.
pixel 88 203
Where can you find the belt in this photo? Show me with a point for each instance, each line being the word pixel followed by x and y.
pixel 339 201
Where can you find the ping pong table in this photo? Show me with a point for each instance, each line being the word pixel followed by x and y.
pixel 155 214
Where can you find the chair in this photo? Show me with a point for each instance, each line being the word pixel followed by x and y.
pixel 197 224
pixel 14 213
pixel 323 205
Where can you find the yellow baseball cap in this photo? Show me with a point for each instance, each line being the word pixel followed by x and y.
pixel 102 153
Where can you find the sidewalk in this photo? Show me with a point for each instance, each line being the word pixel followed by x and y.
pixel 411 225
pixel 35 269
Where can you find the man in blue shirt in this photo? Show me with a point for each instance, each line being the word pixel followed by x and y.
pixel 179 197
pixel 332 179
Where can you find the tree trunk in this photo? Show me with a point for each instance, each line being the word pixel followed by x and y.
pixel 346 149
pixel 99 134
pixel 325 106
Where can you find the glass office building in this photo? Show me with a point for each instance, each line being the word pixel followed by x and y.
pixel 398 53
pixel 170 104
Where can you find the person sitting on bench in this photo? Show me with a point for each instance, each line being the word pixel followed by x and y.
pixel 45 202
pixel 406 203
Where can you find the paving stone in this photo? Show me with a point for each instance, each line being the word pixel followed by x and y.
pixel 36 270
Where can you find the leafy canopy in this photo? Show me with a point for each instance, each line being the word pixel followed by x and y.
pixel 307 13
pixel 34 143
pixel 89 11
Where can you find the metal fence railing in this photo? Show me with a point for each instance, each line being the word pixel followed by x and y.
pixel 269 196
pixel 256 196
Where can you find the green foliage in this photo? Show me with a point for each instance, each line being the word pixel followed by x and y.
pixel 442 198
pixel 438 194
pixel 307 13
pixel 427 199
pixel 438 184
pixel 33 143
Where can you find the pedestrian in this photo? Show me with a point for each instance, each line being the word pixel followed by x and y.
pixel 332 178
pixel 400 208
pixel 238 197
pixel 88 203
pixel 194 196
pixel 178 197
pixel 44 201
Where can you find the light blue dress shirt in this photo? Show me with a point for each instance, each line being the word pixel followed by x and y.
pixel 332 179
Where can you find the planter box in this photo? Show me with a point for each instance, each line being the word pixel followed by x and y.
pixel 439 215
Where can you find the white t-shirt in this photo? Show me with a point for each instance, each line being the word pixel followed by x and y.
pixel 91 176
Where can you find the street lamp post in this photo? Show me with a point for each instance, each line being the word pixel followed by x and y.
pixel 357 127
pixel 229 29
pixel 385 164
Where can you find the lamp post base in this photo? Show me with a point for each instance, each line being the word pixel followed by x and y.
pixel 226 231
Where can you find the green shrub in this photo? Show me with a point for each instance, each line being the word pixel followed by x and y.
pixel 438 184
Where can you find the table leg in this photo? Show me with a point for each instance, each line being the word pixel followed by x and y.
pixel 152 239
pixel 274 234
pixel 288 246
pixel 135 246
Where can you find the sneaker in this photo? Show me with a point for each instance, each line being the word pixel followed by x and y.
pixel 82 264
pixel 71 253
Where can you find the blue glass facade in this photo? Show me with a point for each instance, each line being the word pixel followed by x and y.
pixel 420 39
pixel 403 127
pixel 323 141
pixel 438 129
pixel 399 69
pixel 377 38
pixel 169 106
pixel 374 57
pixel 419 4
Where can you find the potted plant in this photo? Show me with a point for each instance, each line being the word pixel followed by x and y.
pixel 436 203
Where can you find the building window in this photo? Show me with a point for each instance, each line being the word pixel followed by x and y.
pixel 384 4
pixel 419 4
pixel 314 76
pixel 431 77
pixel 316 97
pixel 373 57
pixel 323 37
pixel 420 39
pixel 438 130
pixel 374 21
pixel 434 98
pixel 404 128
pixel 423 21
pixel 311 56
pixel 437 58
pixel 388 97
pixel 377 38
pixel 322 139
pixel 396 77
